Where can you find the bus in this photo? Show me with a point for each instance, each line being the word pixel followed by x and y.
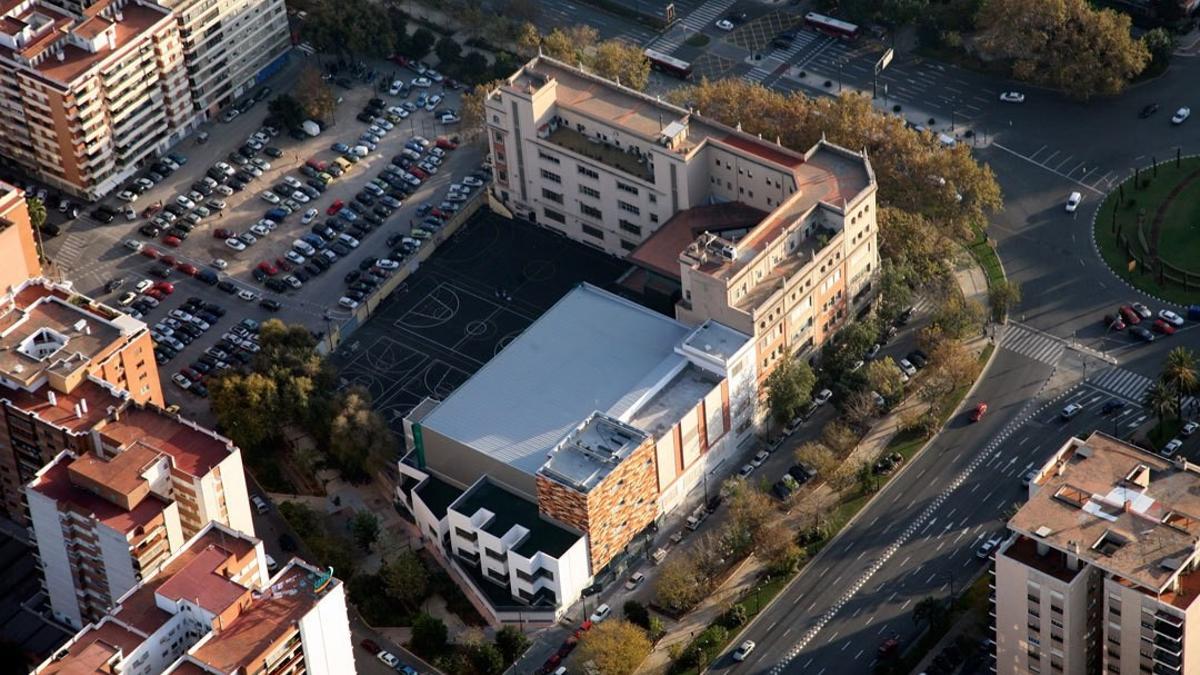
pixel 669 64
pixel 831 26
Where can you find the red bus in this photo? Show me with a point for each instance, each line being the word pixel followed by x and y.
pixel 669 64
pixel 831 26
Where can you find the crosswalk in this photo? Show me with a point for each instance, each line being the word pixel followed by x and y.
pixel 1124 383
pixel 695 21
pixel 807 45
pixel 70 250
pixel 1031 343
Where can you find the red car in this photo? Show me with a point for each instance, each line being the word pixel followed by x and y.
pixel 165 287
pixel 1113 322
pixel 979 411
pixel 1163 327
pixel 155 293
pixel 445 143
pixel 371 646
pixel 172 241
pixel 438 213
pixel 283 265
pixel 168 260
pixel 1131 317
pixel 418 172
pixel 317 164
pixel 151 210
pixel 222 233
pixel 335 207
pixel 150 252
pixel 267 267
pixel 191 374
pixel 189 269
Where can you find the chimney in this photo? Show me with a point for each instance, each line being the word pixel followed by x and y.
pixel 1128 505
pixel 118 16
pixel 78 412
pixel 52 397
pixel 83 404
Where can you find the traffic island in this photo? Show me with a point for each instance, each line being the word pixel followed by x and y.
pixel 1147 230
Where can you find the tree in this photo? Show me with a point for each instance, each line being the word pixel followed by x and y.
pixel 637 614
pixel 245 407
pixel 895 289
pixel 712 549
pixel 1004 295
pixel 789 389
pixel 475 68
pixel 512 643
pixel 420 42
pixel 528 40
pixel 571 45
pixel 448 50
pixel 617 647
pixel 932 613
pixel 486 659
pixel 355 27
pixel 474 118
pixel 679 585
pixel 1180 376
pixel 958 317
pixel 37 212
pixel 357 434
pixel 884 376
pixel 406 580
pixel 1160 44
pixel 859 408
pixel 579 45
pixel 428 635
pixel 838 437
pixel 314 95
pixel 365 527
pixel 952 361
pixel 750 510
pixel 777 548
pixel 1065 44
pixel 1161 401
pixel 817 457
pixel 623 62
pixel 287 109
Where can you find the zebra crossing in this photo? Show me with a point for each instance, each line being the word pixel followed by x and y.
pixel 694 22
pixel 806 47
pixel 1031 343
pixel 70 250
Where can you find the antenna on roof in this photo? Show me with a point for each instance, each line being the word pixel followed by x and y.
pixel 777 142
pixel 739 125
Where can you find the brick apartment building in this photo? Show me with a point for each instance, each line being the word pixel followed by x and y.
pixel 17 240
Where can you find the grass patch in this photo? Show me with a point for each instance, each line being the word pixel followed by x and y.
pixel 697 40
pixel 1180 241
pixel 985 254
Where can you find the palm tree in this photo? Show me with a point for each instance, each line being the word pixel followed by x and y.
pixel 1179 374
pixel 37 218
pixel 1160 400
pixel 930 612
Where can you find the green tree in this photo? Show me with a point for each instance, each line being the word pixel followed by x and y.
pixel 314 95
pixel 1179 375
pixel 406 579
pixel 623 62
pixel 365 528
pixel 789 389
pixel 817 457
pixel 895 291
pixel 1160 43
pixel 512 643
pixel 1004 295
pixel 735 616
pixel 245 407
pixel 706 646
pixel 37 212
pixel 474 119
pixel 357 435
pixel 1161 401
pixel 617 647
pixel 474 68
pixel 637 614
pixel 679 585
pixel 420 42
pixel 884 376
pixel 958 317
pixel 838 437
pixel 486 659
pixel 355 27
pixel 750 510
pixel 931 613
pixel 287 109
pixel 1066 44
pixel 428 635
pixel 448 50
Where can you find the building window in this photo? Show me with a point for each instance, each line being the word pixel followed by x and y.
pixel 628 245
pixel 552 196
pixel 590 192
pixel 469 536
pixel 548 158
pixel 583 170
pixel 630 227
pixel 492 554
pixel 551 176
pixel 593 232
pixel 627 188
pixel 653 218
pixel 592 211
pixel 554 215
pixel 628 207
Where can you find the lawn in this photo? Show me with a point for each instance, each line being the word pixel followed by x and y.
pixel 985 254
pixel 1180 238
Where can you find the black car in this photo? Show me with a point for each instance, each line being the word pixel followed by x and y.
pixel 273 152
pixel 227 286
pixel 322 262
pixel 244 177
pixel 355 295
pixel 236 185
pixel 373 219
pixel 104 214
pixel 178 232
pixel 313 269
pixel 339 248
pixel 365 198
pixel 269 304
pixel 298 134
pixel 214 308
pixel 365 117
pixel 301 274
pixel 323 231
pixel 160 271
pixel 362 287
pixel 142 307
pixel 352 276
pixel 202 187
pixel 308 171
pixel 382 211
pixel 150 230
pixel 316 185
pixel 1148 110
pixel 277 285
pixel 283 190
pixel 312 192
pixel 366 264
pixel 258 274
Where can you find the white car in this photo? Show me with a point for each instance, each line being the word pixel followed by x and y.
pixel 725 24
pixel 260 229
pixel 1171 447
pixel 743 650
pixel 1142 310
pixel 181 381
pixel 1012 97
pixel 294 257
pixel 759 458
pixel 1189 429
pixel 143 285
pixel 309 216
pixel 823 397
pixel 248 296
pixel 263 164
pixel 907 367
pixel 422 82
pixel 293 281
pixel 269 197
pixel 433 102
pixel 127 196
pixel 292 182
pixel 219 263
pixel 1073 200
pixel 1170 317
pixel 1181 115
pixel 300 197
pixel 602 612
pixel 235 244
pixel 347 302
pixel 449 118
pixel 225 190
pixel 185 202
pixel 386 264
pixel 134 245
pixel 388 659
pixel 394 90
pixel 472 181
pixel 634 581
pixel 127 299
pixel 1070 411
pixel 985 551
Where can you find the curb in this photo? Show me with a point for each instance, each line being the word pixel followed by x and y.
pixel 1100 256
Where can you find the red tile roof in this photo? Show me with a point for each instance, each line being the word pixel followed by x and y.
pixel 195 452
pixel 55 483
pixel 200 581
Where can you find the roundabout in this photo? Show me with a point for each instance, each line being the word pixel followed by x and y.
pixel 1147 230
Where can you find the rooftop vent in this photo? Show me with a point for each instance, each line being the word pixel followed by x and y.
pixel 1109 543
pixel 1043 531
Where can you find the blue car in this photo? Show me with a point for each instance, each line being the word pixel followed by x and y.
pixel 276 214
pixel 177 158
pixel 340 147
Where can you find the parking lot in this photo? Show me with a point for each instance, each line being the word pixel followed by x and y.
pixel 478 293
pixel 99 257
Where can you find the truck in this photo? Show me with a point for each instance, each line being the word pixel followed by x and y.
pixel 311 128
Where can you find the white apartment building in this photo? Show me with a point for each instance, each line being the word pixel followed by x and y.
pixel 85 97
pixel 213 608
pixel 1102 570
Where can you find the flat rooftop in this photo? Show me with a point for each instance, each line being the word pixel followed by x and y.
pixel 717 340
pixel 592 351
pixel 92 649
pixel 194 449
pixel 510 510
pixel 1125 510
pixel 592 450
pixel 673 401
pixel 55 483
pixel 660 251
pixel 437 495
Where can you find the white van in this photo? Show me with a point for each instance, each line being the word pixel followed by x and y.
pixel 947 141
pixel 359 151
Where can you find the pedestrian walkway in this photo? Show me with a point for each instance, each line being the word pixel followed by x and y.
pixel 1028 342
pixel 804 48
pixel 694 22
pixel 70 250
pixel 1128 385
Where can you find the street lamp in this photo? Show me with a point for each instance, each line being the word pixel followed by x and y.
pixel 949 574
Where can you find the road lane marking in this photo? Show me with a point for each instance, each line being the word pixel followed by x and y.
pixel 1014 153
pixel 859 654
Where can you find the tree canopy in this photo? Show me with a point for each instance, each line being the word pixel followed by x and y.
pixel 580 45
pixel 789 389
pixel 616 646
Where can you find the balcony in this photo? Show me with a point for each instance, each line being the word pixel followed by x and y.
pixel 596 150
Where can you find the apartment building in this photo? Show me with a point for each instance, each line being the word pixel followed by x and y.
pixel 211 608
pixel 600 418
pixel 774 243
pixel 229 46
pixel 1101 572
pixel 89 92
pixel 17 242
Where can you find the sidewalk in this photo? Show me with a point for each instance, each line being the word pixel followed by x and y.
pixel 973 284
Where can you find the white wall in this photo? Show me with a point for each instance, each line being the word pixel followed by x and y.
pixel 325 633
pixel 52 551
pixel 117 561
pixel 231 477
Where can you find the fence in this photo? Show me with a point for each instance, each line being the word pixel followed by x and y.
pixel 338 331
